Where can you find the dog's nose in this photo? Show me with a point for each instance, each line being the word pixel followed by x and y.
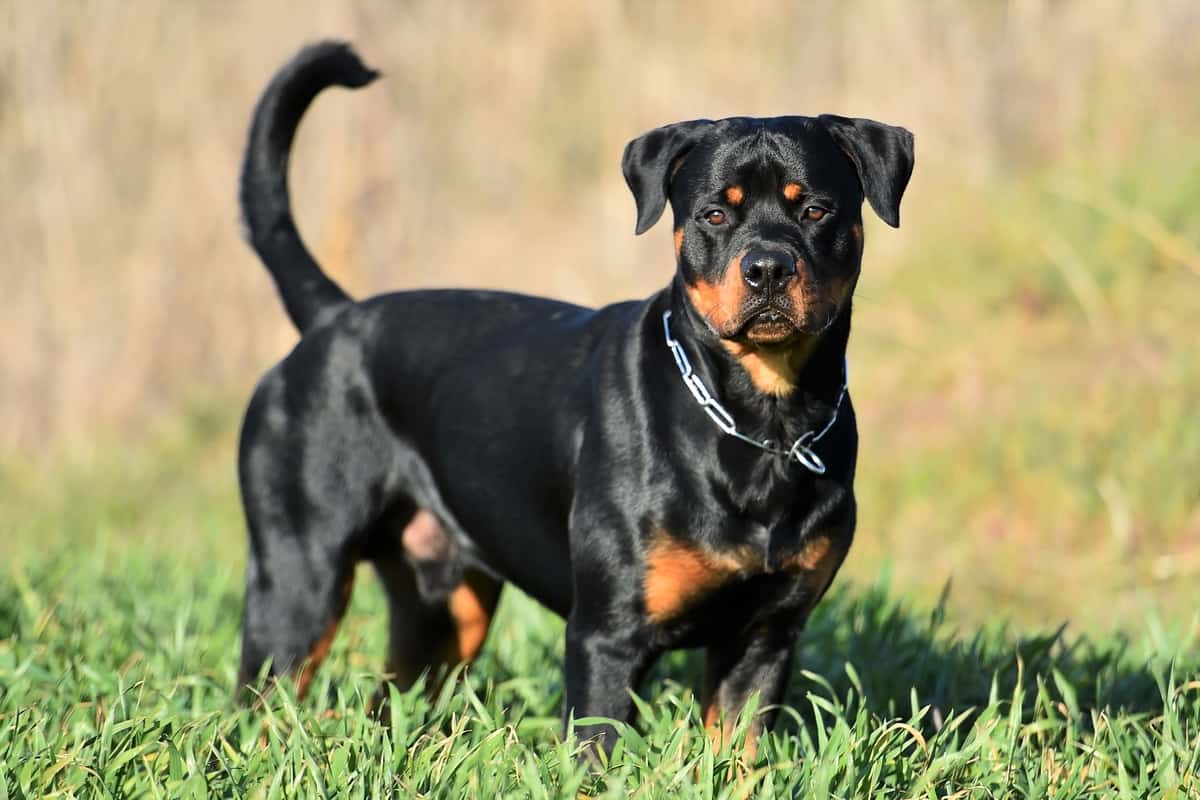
pixel 767 269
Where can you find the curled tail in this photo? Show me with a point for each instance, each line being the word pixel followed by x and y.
pixel 308 293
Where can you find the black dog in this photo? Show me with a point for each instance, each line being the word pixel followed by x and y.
pixel 665 473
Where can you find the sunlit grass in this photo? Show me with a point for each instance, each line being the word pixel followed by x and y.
pixel 116 675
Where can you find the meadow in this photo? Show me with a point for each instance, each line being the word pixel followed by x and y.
pixel 118 651
pixel 1018 617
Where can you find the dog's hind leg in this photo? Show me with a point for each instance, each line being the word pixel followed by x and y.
pixel 294 605
pixel 439 612
pixel 298 585
pixel 308 500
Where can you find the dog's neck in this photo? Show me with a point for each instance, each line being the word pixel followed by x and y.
pixel 778 390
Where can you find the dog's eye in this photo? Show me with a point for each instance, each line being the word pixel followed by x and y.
pixel 715 217
pixel 815 213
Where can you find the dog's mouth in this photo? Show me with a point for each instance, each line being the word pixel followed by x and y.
pixel 774 324
pixel 771 325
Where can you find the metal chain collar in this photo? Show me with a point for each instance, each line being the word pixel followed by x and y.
pixel 801 450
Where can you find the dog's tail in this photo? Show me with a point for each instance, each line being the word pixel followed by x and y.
pixel 309 295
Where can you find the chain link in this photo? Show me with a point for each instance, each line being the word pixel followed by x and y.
pixel 801 450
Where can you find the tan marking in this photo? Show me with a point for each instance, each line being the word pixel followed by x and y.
pixel 811 556
pixel 471 605
pixel 798 289
pixel 816 562
pixel 320 650
pixel 679 574
pixel 720 731
pixel 803 296
pixel 719 303
pixel 856 230
pixel 735 195
pixel 308 669
pixel 750 748
pixel 772 371
pixel 712 713
pixel 792 191
pixel 678 242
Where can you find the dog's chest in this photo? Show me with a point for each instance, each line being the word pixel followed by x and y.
pixel 682 578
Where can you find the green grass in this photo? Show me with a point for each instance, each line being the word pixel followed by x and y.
pixel 119 615
pixel 116 669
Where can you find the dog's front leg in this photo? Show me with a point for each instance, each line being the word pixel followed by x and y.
pixel 603 664
pixel 734 670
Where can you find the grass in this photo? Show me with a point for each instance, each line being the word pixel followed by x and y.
pixel 116 668
pixel 119 618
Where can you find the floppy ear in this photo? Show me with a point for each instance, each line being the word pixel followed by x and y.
pixel 883 156
pixel 649 164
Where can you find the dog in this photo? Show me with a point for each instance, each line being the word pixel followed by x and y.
pixel 674 472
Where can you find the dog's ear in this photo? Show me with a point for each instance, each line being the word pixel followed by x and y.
pixel 883 156
pixel 651 160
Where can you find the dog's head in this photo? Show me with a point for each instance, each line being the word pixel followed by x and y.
pixel 768 214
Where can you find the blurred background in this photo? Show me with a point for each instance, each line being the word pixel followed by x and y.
pixel 1024 363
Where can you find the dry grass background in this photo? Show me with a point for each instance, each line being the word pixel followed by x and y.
pixel 489 157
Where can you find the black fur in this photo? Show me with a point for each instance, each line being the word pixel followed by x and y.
pixel 557 446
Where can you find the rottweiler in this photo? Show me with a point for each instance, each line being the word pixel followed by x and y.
pixel 673 472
